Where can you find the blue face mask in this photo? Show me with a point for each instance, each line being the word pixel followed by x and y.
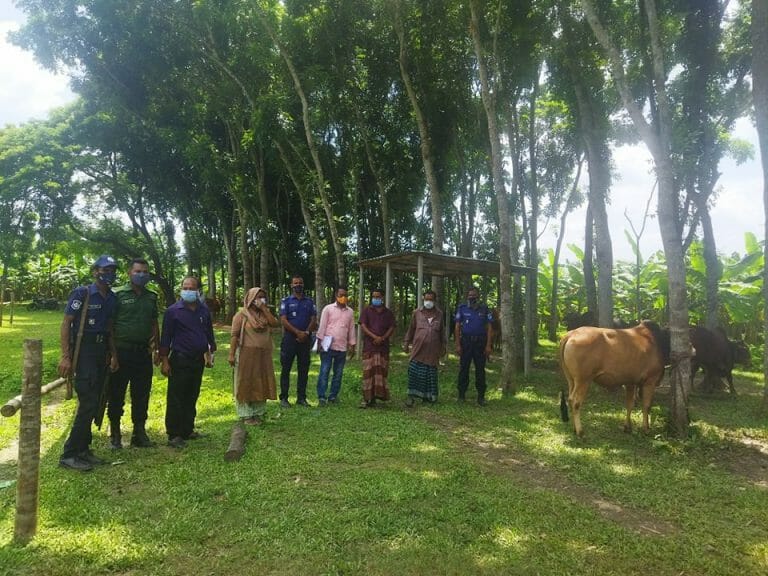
pixel 108 278
pixel 189 295
pixel 140 278
pixel 377 301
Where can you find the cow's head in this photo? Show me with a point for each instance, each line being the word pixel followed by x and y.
pixel 740 352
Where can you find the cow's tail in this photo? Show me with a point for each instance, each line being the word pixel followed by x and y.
pixel 564 391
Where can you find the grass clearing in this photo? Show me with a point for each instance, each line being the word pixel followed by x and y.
pixel 449 489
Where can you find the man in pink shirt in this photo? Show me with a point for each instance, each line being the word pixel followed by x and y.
pixel 336 337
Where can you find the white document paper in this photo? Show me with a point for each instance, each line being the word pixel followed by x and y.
pixel 326 343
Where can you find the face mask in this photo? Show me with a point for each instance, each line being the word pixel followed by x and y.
pixel 377 301
pixel 262 301
pixel 108 278
pixel 472 301
pixel 342 300
pixel 298 288
pixel 189 295
pixel 429 304
pixel 140 278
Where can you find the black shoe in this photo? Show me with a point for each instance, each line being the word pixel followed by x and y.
pixel 333 400
pixel 482 401
pixel 141 440
pixel 115 439
pixel 285 404
pixel 91 458
pixel 462 399
pixel 410 401
pixel 75 463
pixel 115 442
pixel 196 435
pixel 322 402
pixel 177 442
pixel 304 403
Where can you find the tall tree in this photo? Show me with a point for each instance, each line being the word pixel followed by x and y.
pixel 657 136
pixel 760 99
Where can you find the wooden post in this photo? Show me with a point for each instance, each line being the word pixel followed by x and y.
pixel 2 300
pixel 28 483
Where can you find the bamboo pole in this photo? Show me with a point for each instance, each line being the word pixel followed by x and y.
pixel 28 483
pixel 14 404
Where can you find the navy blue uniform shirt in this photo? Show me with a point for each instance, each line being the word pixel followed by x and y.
pixel 473 321
pixel 298 311
pixel 101 309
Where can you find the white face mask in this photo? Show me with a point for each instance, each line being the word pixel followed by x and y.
pixel 261 301
pixel 429 304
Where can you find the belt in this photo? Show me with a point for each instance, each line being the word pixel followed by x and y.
pixel 132 347
pixel 469 338
pixel 94 338
pixel 185 356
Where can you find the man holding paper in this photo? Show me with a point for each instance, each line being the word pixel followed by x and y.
pixel 336 335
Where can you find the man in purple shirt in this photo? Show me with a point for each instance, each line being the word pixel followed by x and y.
pixel 186 345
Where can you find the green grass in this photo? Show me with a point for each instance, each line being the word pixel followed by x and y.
pixel 450 489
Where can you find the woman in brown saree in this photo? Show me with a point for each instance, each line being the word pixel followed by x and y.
pixel 250 353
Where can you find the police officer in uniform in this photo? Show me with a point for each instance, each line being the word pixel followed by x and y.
pixel 298 315
pixel 136 336
pixel 96 356
pixel 473 334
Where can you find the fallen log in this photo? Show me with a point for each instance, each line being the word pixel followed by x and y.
pixel 236 443
pixel 12 406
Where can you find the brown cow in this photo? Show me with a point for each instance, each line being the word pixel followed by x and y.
pixel 633 357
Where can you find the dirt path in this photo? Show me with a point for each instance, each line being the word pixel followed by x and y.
pixel 507 461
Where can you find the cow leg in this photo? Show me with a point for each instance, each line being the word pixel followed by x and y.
pixel 576 396
pixel 630 402
pixel 647 392
pixel 731 389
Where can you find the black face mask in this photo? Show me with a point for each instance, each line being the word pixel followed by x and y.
pixel 298 288
pixel 472 301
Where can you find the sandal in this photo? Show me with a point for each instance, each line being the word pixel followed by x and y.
pixel 255 421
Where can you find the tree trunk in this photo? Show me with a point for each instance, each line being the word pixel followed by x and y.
pixel 598 160
pixel 554 318
pixel 314 237
pixel 588 264
pixel 338 247
pixel 533 225
pixel 228 235
pixel 425 143
pixel 760 98
pixel 505 241
pixel 657 138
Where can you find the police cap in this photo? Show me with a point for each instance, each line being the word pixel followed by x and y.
pixel 104 261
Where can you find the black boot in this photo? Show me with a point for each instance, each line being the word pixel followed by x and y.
pixel 140 438
pixel 115 439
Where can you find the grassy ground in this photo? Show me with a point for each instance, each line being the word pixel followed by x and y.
pixel 449 489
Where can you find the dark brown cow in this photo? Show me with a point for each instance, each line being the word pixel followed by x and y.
pixel 716 355
pixel 575 320
pixel 632 357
